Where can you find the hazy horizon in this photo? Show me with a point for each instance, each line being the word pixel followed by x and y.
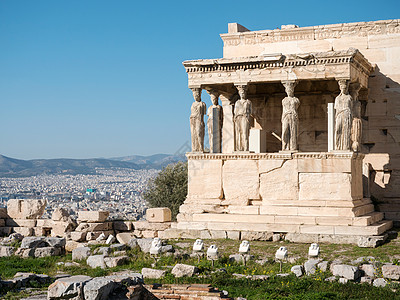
pixel 89 157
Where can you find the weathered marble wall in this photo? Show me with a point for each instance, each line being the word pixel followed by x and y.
pixel 271 180
pixel 306 193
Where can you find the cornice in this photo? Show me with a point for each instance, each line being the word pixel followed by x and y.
pixel 350 56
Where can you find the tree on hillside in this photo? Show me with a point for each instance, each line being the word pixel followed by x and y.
pixel 169 188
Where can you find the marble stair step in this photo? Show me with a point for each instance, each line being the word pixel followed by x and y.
pixel 317 203
pixel 376 228
pixel 365 220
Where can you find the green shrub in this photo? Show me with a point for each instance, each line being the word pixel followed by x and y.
pixel 169 188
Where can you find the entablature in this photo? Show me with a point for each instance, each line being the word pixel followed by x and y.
pixel 348 64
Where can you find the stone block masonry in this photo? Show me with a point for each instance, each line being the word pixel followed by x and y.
pixel 91 226
pixel 302 193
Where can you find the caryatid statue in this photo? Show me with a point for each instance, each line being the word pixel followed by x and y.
pixel 290 118
pixel 197 127
pixel 215 118
pixel 243 111
pixel 343 117
pixel 356 128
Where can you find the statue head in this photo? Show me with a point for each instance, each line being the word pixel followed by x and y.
pixel 196 94
pixel 289 87
pixel 242 89
pixel 214 97
pixel 344 86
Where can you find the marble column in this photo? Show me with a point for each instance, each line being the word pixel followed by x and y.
pixel 258 140
pixel 331 127
pixel 356 128
pixel 228 128
pixel 214 123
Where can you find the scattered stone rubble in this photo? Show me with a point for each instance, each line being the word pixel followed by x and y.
pixel 366 270
pixel 84 287
pixel 183 270
pixel 23 216
pixel 22 280
pixel 61 233
pixel 32 246
pixel 112 255
pixel 153 273
pixel 121 285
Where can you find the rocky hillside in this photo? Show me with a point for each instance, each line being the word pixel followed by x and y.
pixel 11 167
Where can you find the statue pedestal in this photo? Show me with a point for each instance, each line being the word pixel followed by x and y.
pixel 258 140
pixel 349 152
pixel 288 151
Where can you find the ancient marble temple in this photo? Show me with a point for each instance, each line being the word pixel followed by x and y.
pixel 298 124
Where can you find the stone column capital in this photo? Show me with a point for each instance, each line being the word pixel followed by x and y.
pixel 289 86
pixel 196 93
pixel 213 92
pixel 354 89
pixel 194 86
pixel 242 89
pixel 237 84
pixel 343 79
pixel 289 82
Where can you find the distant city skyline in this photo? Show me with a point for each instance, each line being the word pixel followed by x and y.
pixel 105 79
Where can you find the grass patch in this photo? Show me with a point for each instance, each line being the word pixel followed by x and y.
pixel 221 274
pixel 14 295
pixel 9 266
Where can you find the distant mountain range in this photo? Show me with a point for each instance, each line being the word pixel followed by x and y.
pixel 155 161
pixel 11 167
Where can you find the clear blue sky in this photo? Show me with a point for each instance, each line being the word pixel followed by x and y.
pixel 82 79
